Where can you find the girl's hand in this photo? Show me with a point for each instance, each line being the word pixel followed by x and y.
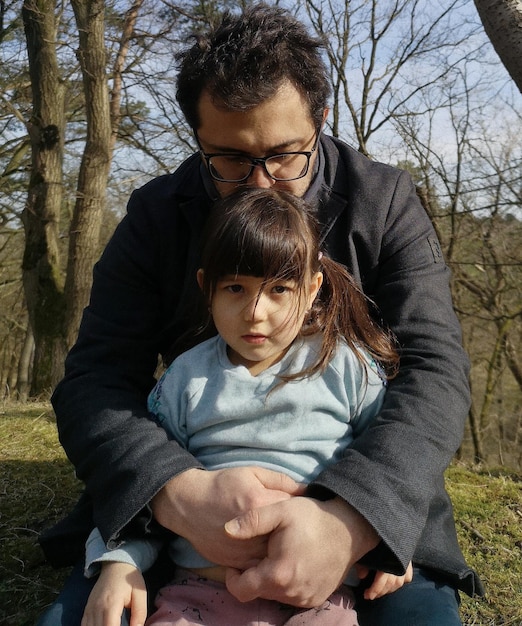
pixel 120 586
pixel 384 583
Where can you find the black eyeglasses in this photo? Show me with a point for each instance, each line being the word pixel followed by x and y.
pixel 236 168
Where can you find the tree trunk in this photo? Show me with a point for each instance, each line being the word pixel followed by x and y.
pixel 512 361
pixel 502 20
pixel 476 437
pixel 94 170
pixel 24 367
pixel 41 268
pixel 103 119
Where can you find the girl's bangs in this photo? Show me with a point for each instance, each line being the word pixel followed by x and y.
pixel 268 253
pixel 261 233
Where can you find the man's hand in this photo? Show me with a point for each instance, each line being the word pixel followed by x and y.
pixel 196 505
pixel 120 586
pixel 311 546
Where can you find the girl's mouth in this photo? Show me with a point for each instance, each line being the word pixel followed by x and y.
pixel 254 339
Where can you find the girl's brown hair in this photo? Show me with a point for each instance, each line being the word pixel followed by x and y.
pixel 274 235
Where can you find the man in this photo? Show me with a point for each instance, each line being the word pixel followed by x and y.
pixel 254 90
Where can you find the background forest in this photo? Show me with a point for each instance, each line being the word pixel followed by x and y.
pixel 87 113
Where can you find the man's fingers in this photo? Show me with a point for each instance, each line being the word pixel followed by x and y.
pixel 279 482
pixel 254 523
pixel 252 583
pixel 234 581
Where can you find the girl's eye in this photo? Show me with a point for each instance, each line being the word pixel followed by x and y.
pixel 234 288
pixel 287 287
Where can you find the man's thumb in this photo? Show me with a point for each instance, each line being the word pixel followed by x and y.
pixel 253 523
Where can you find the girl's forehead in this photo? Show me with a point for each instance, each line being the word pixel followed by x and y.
pixel 252 278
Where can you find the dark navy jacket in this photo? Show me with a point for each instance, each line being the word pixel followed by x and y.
pixel 141 301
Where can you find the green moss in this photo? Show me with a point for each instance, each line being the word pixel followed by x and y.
pixel 488 514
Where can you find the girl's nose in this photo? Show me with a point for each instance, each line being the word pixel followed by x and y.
pixel 256 309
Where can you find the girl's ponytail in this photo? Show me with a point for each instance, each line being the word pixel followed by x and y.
pixel 342 309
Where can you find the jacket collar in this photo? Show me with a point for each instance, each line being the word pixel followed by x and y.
pixel 331 197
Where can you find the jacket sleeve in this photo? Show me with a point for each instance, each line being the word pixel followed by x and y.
pixel 122 456
pixel 392 472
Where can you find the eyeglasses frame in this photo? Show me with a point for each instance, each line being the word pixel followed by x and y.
pixel 258 161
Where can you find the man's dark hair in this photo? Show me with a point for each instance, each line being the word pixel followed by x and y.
pixel 243 61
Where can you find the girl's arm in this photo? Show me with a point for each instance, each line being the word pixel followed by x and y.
pixel 120 586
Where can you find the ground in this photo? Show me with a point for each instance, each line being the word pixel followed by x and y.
pixel 37 485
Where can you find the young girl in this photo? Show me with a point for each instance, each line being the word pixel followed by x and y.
pixel 295 373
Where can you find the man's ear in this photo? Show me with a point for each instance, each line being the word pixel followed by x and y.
pixel 325 116
pixel 199 277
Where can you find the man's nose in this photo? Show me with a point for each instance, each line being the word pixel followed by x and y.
pixel 259 177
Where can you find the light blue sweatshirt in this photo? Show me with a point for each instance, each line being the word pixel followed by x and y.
pixel 226 417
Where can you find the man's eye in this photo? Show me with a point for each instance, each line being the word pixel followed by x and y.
pixel 235 159
pixel 281 158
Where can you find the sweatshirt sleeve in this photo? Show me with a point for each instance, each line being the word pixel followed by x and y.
pixel 140 553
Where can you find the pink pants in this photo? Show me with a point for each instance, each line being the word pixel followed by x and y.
pixel 193 601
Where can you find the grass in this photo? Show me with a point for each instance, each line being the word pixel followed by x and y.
pixel 488 513
pixel 37 485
